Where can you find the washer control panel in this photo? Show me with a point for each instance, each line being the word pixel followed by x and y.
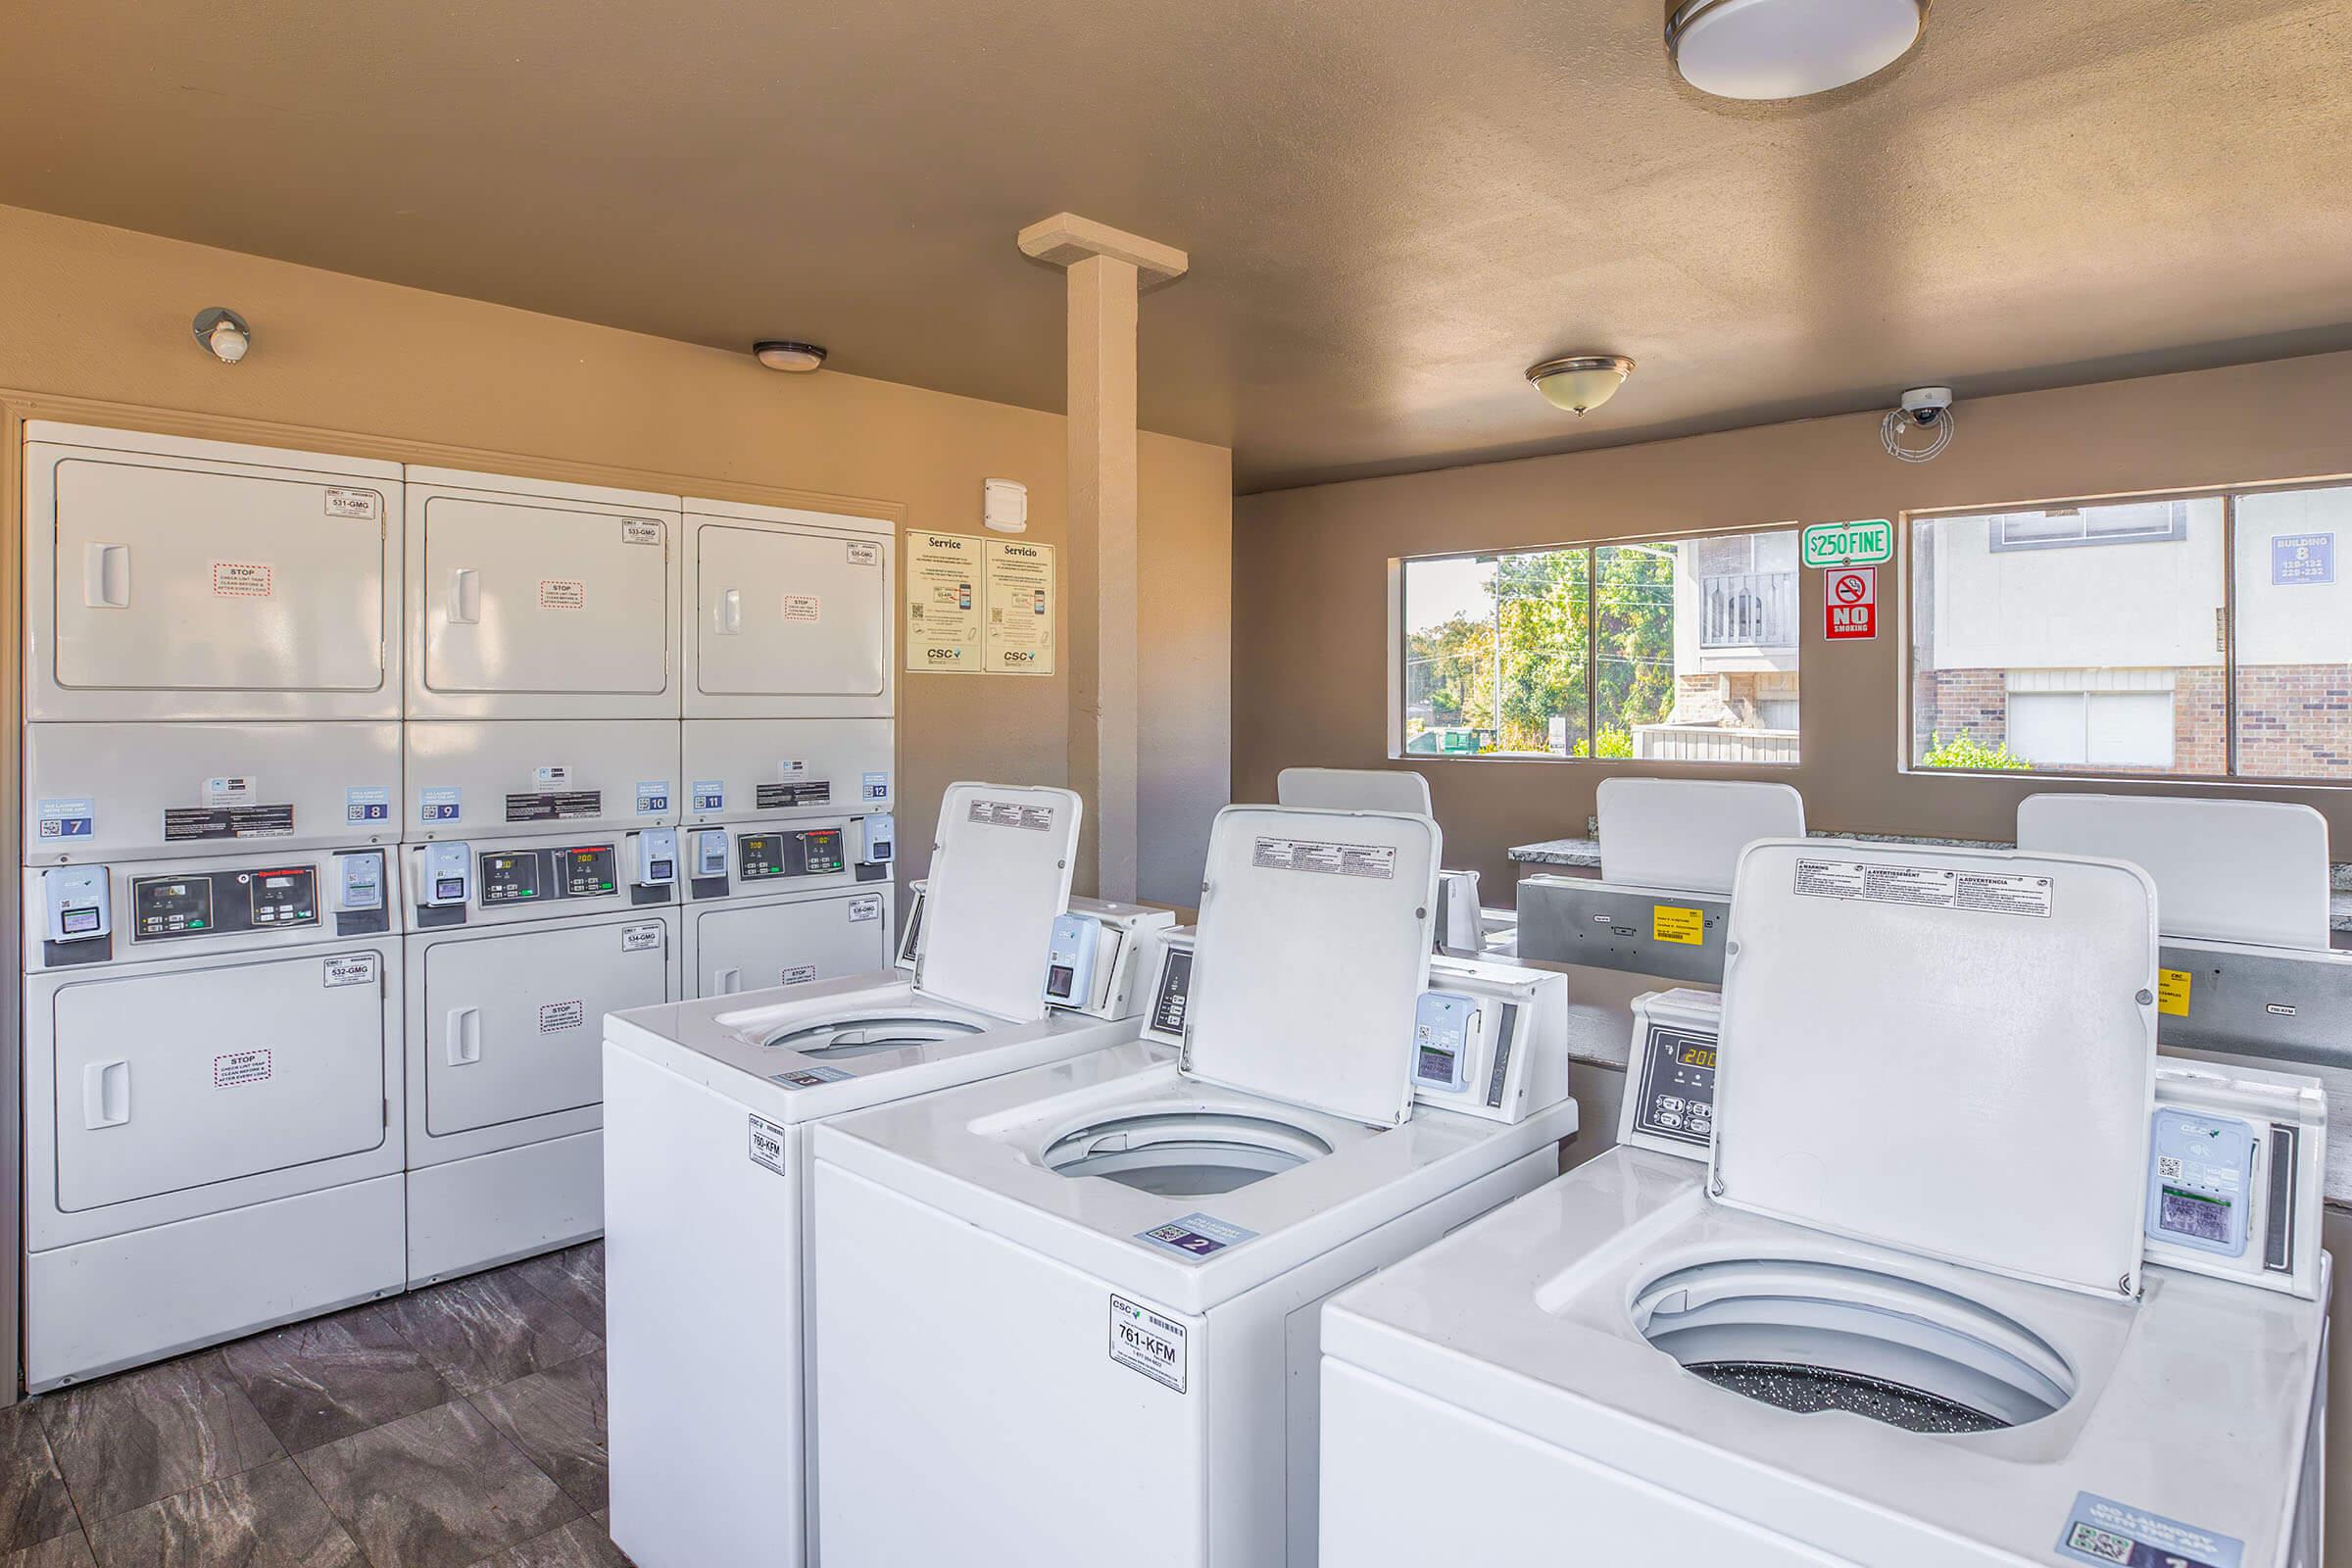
pixel 1489 1038
pixel 1670 1075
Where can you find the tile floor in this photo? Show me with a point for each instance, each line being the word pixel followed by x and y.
pixel 460 1426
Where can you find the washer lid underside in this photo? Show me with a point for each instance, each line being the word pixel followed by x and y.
pixel 839 1039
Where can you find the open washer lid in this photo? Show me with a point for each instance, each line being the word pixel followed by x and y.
pixel 1000 877
pixel 1312 950
pixel 1687 833
pixel 1951 1052
pixel 2225 870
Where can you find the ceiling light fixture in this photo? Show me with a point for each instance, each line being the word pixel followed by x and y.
pixel 1766 49
pixel 224 334
pixel 1580 382
pixel 782 354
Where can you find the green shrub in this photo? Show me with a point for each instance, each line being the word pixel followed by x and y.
pixel 1965 752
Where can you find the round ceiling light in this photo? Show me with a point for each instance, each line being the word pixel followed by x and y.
pixel 1764 49
pixel 1580 382
pixel 781 354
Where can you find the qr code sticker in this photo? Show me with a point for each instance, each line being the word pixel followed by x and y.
pixel 2168 1166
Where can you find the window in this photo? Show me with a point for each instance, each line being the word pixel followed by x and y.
pixel 1672 650
pixel 2206 636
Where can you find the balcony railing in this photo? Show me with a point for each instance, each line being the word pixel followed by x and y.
pixel 1747 609
pixel 1711 742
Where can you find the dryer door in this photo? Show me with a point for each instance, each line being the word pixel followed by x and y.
pixel 792 623
pixel 177 579
pixel 181 1078
pixel 548 598
pixel 513 1022
pixel 754 946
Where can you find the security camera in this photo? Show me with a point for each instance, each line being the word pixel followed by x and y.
pixel 1924 405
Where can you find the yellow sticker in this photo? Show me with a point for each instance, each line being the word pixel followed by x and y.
pixel 1670 924
pixel 2172 992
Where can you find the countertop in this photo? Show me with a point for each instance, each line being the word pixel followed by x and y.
pixel 1584 853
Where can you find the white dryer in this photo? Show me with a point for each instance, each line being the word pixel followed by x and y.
pixel 176 579
pixel 529 599
pixel 1960 1277
pixel 519 947
pixel 786 904
pixel 213 1101
pixel 1080 1301
pixel 481 778
pixel 790 680
pixel 710 1107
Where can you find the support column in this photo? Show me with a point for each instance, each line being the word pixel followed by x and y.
pixel 1107 272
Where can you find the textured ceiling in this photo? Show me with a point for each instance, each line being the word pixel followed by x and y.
pixel 1391 209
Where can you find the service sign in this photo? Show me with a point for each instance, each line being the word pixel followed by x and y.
pixel 1849 604
pixel 1848 544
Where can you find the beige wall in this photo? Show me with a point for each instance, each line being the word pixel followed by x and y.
pixel 372 369
pixel 1310 580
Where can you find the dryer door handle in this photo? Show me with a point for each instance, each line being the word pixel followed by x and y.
pixel 462 1034
pixel 465 597
pixel 104 1093
pixel 726 982
pixel 728 612
pixel 106 576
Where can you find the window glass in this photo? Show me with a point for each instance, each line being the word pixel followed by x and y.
pixel 1696 649
pixel 2030 651
pixel 2294 634
pixel 1496 654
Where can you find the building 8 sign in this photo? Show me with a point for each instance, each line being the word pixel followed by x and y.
pixel 1848 544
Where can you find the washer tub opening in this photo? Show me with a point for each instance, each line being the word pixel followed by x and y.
pixel 843 1038
pixel 1808 1337
pixel 1183 1153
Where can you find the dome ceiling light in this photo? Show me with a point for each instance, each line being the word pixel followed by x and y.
pixel 1768 49
pixel 1580 382
pixel 783 353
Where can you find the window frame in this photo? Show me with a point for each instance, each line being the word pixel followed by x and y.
pixel 1400 656
pixel 2174 532
pixel 1905 621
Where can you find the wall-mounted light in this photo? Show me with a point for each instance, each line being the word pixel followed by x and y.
pixel 1769 49
pixel 224 334
pixel 1580 382
pixel 783 353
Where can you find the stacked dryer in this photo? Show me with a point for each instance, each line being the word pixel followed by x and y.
pixel 787 747
pixel 214 1096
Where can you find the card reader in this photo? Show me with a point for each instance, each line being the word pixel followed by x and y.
pixel 881 840
pixel 657 857
pixel 1070 960
pixel 78 907
pixel 445 874
pixel 710 851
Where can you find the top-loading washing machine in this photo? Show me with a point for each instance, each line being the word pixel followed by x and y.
pixel 214 1100
pixel 1079 1301
pixel 709 1111
pixel 1461 925
pixel 1962 1276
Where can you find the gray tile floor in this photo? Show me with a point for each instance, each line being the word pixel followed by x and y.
pixel 459 1426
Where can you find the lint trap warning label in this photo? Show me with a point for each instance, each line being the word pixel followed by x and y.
pixel 1934 887
pixel 1376 861
pixel 1012 814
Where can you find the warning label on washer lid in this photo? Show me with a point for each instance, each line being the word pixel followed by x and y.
pixel 241 579
pixel 2116 1535
pixel 1925 886
pixel 767 1146
pixel 1151 1342
pixel 363 505
pixel 1377 860
pixel 640 938
pixel 557 1017
pixel 237 1069
pixel 350 969
pixel 562 593
pixel 1012 814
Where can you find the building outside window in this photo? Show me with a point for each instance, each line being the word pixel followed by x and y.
pixel 1671 649
pixel 2200 636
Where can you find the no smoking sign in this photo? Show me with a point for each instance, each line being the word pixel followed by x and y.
pixel 1849 601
